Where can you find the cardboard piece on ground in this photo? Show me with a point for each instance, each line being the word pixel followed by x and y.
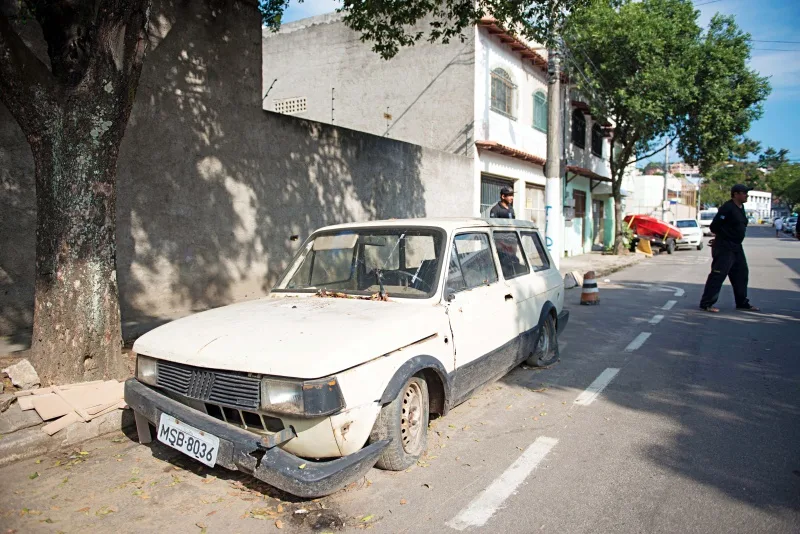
pixel 25 403
pixel 50 406
pixel 97 395
pixel 37 391
pixel 81 384
pixel 59 424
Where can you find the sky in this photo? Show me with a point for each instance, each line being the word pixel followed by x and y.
pixel 764 20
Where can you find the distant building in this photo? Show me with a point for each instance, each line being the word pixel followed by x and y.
pixel 684 169
pixel 759 204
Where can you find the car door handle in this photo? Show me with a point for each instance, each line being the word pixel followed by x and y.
pixel 509 296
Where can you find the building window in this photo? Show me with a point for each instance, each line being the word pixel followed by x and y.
pixel 540 111
pixel 502 93
pixel 578 129
pixel 597 140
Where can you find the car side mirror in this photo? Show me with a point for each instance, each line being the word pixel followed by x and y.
pixel 449 294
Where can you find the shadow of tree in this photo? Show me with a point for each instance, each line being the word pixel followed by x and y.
pixel 214 194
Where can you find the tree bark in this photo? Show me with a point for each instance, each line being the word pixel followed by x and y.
pixel 74 118
pixel 76 321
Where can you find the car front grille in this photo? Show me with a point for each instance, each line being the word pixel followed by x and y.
pixel 226 388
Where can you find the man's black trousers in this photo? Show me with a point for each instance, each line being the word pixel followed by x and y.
pixel 729 261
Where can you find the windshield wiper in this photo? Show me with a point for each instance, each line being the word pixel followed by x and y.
pixel 379 277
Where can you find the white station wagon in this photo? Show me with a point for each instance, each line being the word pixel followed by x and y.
pixel 372 328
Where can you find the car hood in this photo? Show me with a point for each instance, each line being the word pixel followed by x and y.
pixel 298 337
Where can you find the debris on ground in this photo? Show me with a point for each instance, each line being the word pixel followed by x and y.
pixel 23 375
pixel 72 403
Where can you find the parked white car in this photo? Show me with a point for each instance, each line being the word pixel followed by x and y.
pixel 692 234
pixel 372 328
pixel 705 217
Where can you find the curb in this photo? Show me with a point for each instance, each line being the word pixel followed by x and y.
pixel 31 442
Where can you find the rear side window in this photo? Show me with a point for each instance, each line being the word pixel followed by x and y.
pixel 534 251
pixel 471 262
pixel 512 257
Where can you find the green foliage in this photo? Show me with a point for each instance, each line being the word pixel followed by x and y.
pixel 392 24
pixel 785 184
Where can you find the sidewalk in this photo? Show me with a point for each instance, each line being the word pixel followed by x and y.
pixel 601 264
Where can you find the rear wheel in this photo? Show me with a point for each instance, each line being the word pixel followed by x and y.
pixel 700 246
pixel 546 351
pixel 404 422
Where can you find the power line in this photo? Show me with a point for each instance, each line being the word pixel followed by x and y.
pixel 706 3
pixel 775 50
pixel 782 42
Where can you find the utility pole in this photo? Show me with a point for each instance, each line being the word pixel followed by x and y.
pixel 554 201
pixel 666 193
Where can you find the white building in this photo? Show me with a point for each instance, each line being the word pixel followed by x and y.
pixel 759 203
pixel 485 98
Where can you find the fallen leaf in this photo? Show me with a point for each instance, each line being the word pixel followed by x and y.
pixel 33 475
pixel 117 440
pixel 203 528
pixel 105 510
pixel 209 514
pixel 508 407
pixel 301 466
pixel 403 501
pixel 366 518
pixel 535 418
pixel 48 520
pixel 39 461
pixel 278 524
pixel 209 480
pixel 466 427
pixel 426 486
pixel 451 426
pixel 84 510
pixel 542 413
pixel 83 453
pixel 280 508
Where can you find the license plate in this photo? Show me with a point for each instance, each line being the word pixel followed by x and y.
pixel 200 445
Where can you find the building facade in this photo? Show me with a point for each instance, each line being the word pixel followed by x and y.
pixel 484 97
pixel 759 204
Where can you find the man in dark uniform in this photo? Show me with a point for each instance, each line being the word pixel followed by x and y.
pixel 729 226
pixel 505 208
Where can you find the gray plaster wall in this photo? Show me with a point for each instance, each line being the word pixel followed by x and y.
pixel 211 188
pixel 428 90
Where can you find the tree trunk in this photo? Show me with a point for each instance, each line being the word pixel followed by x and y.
pixel 76 322
pixel 619 232
pixel 74 119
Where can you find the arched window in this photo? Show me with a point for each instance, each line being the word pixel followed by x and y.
pixel 597 140
pixel 540 111
pixel 578 129
pixel 502 93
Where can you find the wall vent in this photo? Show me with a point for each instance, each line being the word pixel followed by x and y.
pixel 290 106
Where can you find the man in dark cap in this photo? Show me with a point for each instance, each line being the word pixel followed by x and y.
pixel 729 227
pixel 505 208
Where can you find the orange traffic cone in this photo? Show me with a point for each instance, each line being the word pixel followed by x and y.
pixel 590 294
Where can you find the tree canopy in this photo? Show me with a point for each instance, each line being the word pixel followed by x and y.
pixel 649 67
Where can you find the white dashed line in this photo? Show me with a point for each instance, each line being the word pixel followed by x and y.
pixel 656 319
pixel 486 504
pixel 590 394
pixel 638 342
pixel 669 304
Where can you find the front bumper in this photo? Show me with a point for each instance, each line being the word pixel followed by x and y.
pixel 239 449
pixel 563 319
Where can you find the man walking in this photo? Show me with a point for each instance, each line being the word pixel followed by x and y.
pixel 778 226
pixel 505 208
pixel 729 227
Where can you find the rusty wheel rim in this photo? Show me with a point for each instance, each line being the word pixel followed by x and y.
pixel 411 427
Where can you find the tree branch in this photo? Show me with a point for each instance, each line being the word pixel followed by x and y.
pixel 26 85
pixel 657 151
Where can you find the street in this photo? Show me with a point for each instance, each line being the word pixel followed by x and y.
pixel 658 418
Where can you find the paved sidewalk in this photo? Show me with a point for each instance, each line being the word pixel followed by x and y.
pixel 598 262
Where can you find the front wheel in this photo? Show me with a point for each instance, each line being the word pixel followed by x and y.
pixel 404 422
pixel 546 351
pixel 700 246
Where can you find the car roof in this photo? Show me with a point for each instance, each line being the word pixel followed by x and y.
pixel 445 223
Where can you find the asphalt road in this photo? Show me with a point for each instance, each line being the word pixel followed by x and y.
pixel 659 418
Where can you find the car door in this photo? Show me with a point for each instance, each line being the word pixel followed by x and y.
pixel 520 285
pixel 481 312
pixel 545 281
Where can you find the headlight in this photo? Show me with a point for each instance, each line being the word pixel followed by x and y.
pixel 146 369
pixel 312 398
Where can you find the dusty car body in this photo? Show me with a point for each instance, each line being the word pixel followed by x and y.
pixel 372 328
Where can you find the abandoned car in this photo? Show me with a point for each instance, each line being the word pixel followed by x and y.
pixel 373 328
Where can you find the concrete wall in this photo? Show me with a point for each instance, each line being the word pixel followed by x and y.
pixel 426 90
pixel 210 187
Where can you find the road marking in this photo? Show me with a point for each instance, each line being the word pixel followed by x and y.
pixel 638 342
pixel 590 394
pixel 669 304
pixel 679 292
pixel 656 319
pixel 480 510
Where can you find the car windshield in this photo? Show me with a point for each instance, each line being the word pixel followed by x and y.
pixel 707 216
pixel 691 223
pixel 405 261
